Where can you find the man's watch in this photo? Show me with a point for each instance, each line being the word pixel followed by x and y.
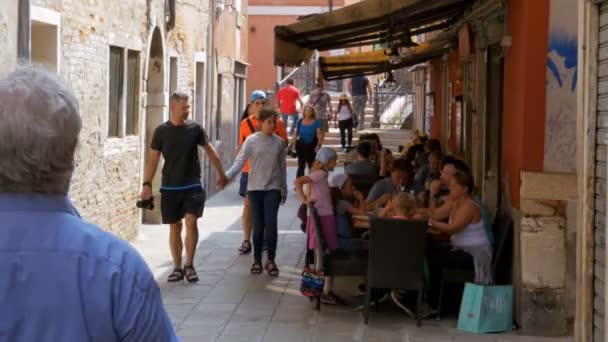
pixel 147 183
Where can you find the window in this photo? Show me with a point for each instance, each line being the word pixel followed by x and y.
pixel 115 105
pixel 123 101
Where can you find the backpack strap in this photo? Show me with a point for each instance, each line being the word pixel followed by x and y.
pixel 251 128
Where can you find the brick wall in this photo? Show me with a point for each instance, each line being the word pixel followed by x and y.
pixel 107 179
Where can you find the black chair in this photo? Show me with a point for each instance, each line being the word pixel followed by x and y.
pixel 396 258
pixel 336 263
pixel 502 228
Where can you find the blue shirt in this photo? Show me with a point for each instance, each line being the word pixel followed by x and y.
pixel 359 85
pixel 66 280
pixel 308 133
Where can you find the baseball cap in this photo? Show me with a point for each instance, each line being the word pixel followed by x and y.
pixel 258 95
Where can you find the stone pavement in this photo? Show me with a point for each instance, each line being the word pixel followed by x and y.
pixel 229 304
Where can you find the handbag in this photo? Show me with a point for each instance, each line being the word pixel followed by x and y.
pixel 486 308
pixel 313 282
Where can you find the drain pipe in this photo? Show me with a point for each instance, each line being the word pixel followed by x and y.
pixel 24 38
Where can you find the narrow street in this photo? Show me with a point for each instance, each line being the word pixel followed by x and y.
pixel 229 304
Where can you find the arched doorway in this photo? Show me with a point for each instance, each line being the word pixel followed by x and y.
pixel 156 105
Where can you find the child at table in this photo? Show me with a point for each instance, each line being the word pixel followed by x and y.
pixel 403 206
pixel 346 202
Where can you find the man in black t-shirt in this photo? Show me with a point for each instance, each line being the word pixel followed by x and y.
pixel 182 193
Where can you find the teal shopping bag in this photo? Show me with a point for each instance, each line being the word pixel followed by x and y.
pixel 486 308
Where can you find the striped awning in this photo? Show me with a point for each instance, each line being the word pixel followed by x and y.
pixel 375 62
pixel 363 23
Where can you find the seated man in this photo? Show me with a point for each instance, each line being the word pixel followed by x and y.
pixel 401 180
pixel 363 167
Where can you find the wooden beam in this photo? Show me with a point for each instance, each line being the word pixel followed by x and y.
pixel 413 21
pixel 412 10
pixel 588 42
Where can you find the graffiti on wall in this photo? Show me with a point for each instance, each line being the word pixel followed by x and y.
pixel 562 74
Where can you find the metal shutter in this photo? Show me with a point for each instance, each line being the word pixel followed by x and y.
pixel 600 179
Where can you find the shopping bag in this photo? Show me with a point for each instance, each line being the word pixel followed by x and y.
pixel 312 282
pixel 486 308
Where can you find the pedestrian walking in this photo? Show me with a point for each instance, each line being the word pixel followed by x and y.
pixel 182 193
pixel 63 279
pixel 360 89
pixel 346 120
pixel 307 139
pixel 249 126
pixel 321 100
pixel 286 104
pixel 266 186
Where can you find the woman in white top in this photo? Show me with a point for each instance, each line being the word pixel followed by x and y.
pixel 467 231
pixel 346 119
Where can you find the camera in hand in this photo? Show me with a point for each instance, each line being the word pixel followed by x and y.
pixel 146 204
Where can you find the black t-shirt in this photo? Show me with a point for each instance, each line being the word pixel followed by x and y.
pixel 179 147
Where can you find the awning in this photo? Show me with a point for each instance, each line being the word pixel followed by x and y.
pixel 364 23
pixel 375 62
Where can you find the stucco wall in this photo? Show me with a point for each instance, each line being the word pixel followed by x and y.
pixel 560 118
pixel 8 34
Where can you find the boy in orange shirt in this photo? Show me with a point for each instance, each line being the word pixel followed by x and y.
pixel 249 126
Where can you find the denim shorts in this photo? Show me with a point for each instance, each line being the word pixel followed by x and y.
pixel 243 184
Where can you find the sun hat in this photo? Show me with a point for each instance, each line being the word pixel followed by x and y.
pixel 343 96
pixel 338 180
pixel 325 154
pixel 258 95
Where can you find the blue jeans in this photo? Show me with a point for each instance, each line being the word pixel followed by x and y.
pixel 294 118
pixel 264 213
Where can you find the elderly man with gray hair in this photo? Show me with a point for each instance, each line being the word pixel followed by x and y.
pixel 63 279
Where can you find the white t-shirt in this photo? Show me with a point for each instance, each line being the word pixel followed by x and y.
pixel 344 113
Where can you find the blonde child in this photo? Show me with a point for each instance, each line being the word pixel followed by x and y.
pixel 403 206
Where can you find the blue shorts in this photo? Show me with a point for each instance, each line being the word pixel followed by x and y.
pixel 243 184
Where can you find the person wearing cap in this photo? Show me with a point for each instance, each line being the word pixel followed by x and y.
pixel 346 119
pixel 321 100
pixel 319 195
pixel 266 187
pixel 250 125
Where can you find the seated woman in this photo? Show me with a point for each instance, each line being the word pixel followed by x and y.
pixel 347 202
pixel 383 157
pixel 421 162
pixel 470 245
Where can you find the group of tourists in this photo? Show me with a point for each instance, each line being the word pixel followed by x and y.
pixel 422 183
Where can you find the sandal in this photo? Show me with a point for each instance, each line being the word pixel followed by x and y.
pixel 176 275
pixel 245 247
pixel 256 268
pixel 191 275
pixel 329 299
pixel 272 269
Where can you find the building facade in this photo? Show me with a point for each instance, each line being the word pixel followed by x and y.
pixel 123 59
pixel 264 15
pixel 504 98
